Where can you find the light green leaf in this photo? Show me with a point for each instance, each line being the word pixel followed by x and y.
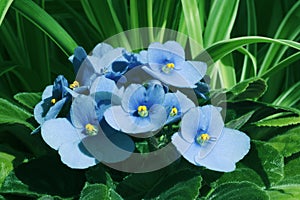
pixel 98 191
pixel 237 191
pixel 289 187
pixel 271 161
pixel 287 143
pixel 46 23
pixel 29 99
pixel 4 6
pixel 6 165
pixel 219 49
pixel 279 122
pixel 10 113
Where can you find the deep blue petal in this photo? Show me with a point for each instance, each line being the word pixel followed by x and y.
pixel 58 91
pixel 55 109
pixel 76 156
pixel 231 147
pixel 56 132
pixel 78 58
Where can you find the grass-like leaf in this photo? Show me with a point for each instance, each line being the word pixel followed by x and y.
pixel 4 6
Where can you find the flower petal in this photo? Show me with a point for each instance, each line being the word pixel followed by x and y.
pixel 78 58
pixel 101 49
pixel 47 92
pixel 189 124
pixel 112 146
pixel 86 73
pixel 231 147
pixel 74 155
pixel 133 96
pixel 56 132
pixel 83 111
pixel 55 109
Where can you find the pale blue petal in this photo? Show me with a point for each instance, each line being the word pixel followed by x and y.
pixel 133 96
pixel 86 73
pixel 184 102
pixel 155 94
pixel 75 155
pixel 101 49
pixel 231 147
pixel 47 92
pixel 83 111
pixel 113 148
pixel 174 78
pixel 56 132
pixel 38 112
pixel 191 72
pixel 103 84
pixel 185 148
pixel 190 124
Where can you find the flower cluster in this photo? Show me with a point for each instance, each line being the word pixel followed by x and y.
pixel 118 96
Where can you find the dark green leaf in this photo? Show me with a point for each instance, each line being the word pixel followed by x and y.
pixel 248 89
pixel 239 122
pixel 287 143
pixel 98 191
pixel 4 5
pixel 28 99
pixel 183 190
pixel 239 175
pixel 237 191
pixel 10 113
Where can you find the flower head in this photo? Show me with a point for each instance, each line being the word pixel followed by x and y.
pixel 204 141
pixel 53 99
pixel 141 109
pixel 167 63
pixel 75 139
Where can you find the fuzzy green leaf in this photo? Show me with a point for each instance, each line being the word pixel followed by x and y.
pixel 287 143
pixel 98 191
pixel 279 122
pixel 28 99
pixel 237 191
pixel 10 113
pixel 6 165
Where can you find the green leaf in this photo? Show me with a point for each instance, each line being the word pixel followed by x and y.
pixel 10 113
pixel 6 165
pixel 29 99
pixel 183 190
pixel 240 174
pixel 287 143
pixel 44 175
pixel 46 23
pixel 270 161
pixel 239 122
pixel 98 191
pixel 249 89
pixel 237 191
pixel 289 187
pixel 4 6
pixel 219 49
pixel 279 122
pixel 98 174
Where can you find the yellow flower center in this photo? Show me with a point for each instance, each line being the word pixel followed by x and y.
pixel 203 138
pixel 90 129
pixel 168 67
pixel 173 112
pixel 53 101
pixel 143 111
pixel 75 84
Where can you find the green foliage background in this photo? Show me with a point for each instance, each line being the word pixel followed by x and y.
pixel 255 47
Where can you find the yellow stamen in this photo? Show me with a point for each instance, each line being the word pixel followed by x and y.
pixel 90 129
pixel 203 138
pixel 143 111
pixel 75 84
pixel 173 112
pixel 53 101
pixel 168 67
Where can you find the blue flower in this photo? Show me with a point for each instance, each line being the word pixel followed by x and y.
pixel 141 110
pixel 204 141
pixel 176 105
pixel 167 63
pixel 54 98
pixel 77 58
pixel 82 142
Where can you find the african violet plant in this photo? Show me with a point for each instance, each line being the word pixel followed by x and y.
pixel 102 109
